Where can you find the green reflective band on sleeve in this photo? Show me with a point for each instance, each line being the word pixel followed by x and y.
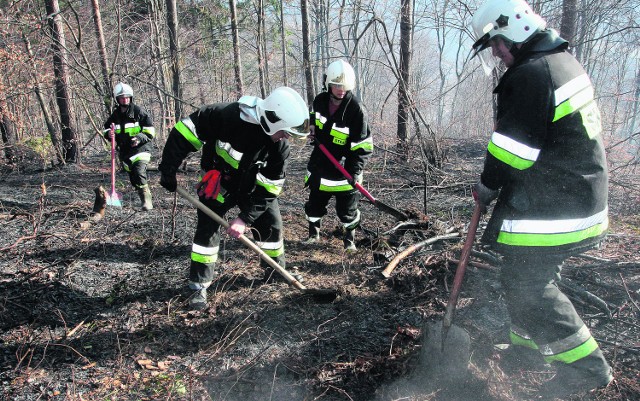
pixel 366 145
pixel 150 131
pixel 188 135
pixel 227 157
pixel 509 158
pixel 521 341
pixel 551 239
pixel 319 124
pixel 581 351
pixel 197 257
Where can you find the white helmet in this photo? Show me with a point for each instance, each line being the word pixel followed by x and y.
pixel 122 89
pixel 513 20
pixel 341 73
pixel 285 110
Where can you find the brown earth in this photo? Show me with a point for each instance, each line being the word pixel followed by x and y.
pixel 98 311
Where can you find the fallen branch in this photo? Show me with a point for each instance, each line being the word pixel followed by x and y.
pixel 409 250
pixel 585 295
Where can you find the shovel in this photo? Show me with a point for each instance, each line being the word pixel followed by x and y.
pixel 113 199
pixel 446 350
pixel 462 267
pixel 319 295
pixel 377 203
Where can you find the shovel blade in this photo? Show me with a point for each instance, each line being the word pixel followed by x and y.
pixel 113 199
pixel 448 361
pixel 391 210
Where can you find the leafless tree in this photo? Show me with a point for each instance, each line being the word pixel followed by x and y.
pixel 237 63
pixel 174 47
pixel 62 82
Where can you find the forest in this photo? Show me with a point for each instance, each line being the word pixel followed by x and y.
pixel 93 300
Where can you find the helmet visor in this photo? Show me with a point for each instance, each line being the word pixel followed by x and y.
pixel 488 60
pixel 300 130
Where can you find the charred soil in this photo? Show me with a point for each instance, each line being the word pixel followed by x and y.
pixel 97 310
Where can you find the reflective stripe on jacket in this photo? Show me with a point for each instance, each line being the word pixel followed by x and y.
pixel 547 157
pixel 253 167
pixel 346 136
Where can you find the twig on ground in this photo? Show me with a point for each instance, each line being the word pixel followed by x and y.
pixel 396 260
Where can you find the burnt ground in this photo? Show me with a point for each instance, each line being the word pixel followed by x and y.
pixel 98 311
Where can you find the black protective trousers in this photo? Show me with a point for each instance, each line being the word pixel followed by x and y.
pixel 267 228
pixel 537 306
pixel 346 206
pixel 137 173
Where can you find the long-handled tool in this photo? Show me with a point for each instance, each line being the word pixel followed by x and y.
pixel 462 267
pixel 113 199
pixel 320 295
pixel 377 203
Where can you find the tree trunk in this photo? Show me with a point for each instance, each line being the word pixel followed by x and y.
pixel 61 72
pixel 174 54
pixel 156 16
pixel 237 63
pixel 284 46
pixel 406 30
pixel 569 20
pixel 51 128
pixel 260 47
pixel 97 20
pixel 306 54
pixel 8 133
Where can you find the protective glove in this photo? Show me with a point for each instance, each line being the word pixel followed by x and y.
pixel 169 182
pixel 484 195
pixel 209 186
pixel 357 178
pixel 138 140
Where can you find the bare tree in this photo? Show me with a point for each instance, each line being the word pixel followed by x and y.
pixel 60 68
pixel 8 132
pixel 284 45
pixel 174 54
pixel 237 63
pixel 406 48
pixel 569 20
pixel 260 47
pixel 106 89
pixel 306 54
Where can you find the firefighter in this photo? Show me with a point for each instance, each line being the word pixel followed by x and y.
pixel 134 132
pixel 339 122
pixel 546 166
pixel 244 157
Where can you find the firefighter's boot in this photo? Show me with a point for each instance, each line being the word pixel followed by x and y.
pixel 581 376
pixel 145 198
pixel 314 232
pixel 349 240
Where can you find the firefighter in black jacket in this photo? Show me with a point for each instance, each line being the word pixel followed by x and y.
pixel 340 124
pixel 546 165
pixel 244 157
pixel 134 132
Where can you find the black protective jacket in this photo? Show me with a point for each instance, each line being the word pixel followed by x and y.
pixel 135 122
pixel 345 134
pixel 546 155
pixel 253 167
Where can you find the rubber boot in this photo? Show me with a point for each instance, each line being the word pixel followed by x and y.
pixel 145 198
pixel 581 376
pixel 198 300
pixel 314 232
pixel 349 240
